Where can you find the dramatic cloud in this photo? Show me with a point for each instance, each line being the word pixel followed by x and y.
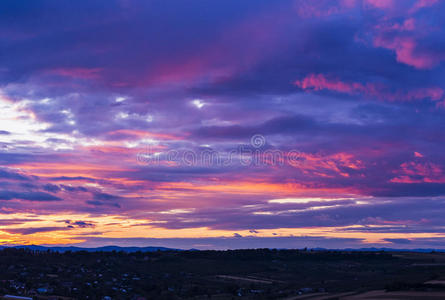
pixel 223 124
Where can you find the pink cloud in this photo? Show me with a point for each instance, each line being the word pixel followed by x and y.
pixel 418 172
pixel 381 4
pixel 421 4
pixel 327 165
pixel 417 154
pixel 406 51
pixel 318 82
pixel 402 31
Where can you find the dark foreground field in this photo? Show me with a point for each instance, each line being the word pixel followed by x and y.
pixel 240 274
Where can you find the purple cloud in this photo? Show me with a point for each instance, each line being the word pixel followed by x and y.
pixel 107 110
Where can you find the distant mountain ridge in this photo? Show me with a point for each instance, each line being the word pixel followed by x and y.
pixel 373 249
pixel 97 249
pixel 153 249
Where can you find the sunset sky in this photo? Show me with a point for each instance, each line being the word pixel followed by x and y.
pixel 223 124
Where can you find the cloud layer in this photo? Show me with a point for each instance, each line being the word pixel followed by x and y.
pixel 317 122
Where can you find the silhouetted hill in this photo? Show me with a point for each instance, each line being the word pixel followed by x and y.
pixel 151 249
